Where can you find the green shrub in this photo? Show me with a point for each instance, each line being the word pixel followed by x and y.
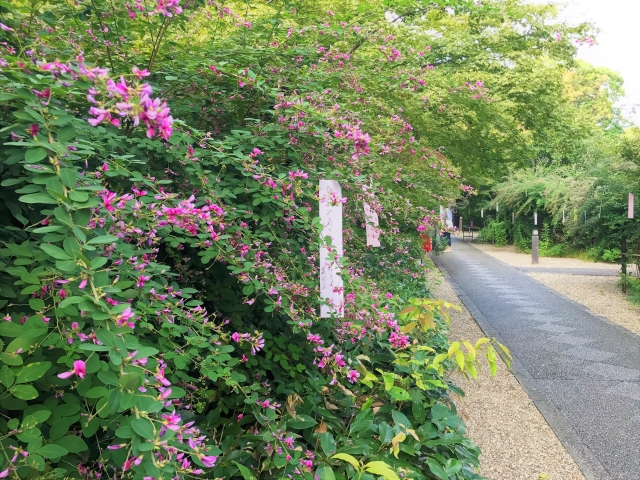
pixel 159 261
pixel 611 255
pixel 494 232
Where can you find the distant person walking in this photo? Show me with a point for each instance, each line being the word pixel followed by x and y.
pixel 448 221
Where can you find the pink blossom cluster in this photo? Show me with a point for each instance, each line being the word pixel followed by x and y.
pixel 168 8
pixel 255 341
pixel 132 101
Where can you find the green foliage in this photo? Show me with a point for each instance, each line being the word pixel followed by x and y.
pixel 611 255
pixel 522 238
pixel 159 280
pixel 494 232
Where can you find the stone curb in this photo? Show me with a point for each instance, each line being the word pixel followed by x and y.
pixel 591 468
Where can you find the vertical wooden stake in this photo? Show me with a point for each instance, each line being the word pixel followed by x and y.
pixel 623 252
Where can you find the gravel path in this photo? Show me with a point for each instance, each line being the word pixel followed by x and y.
pixel 508 255
pixel 598 293
pixel 516 441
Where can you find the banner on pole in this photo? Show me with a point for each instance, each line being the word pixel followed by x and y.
pixel 630 214
pixel 331 285
pixel 373 232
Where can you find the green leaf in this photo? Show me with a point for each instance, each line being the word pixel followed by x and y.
pixel 52 451
pixel 72 443
pixel 301 422
pixel 102 239
pixel 24 392
pixel 38 198
pixel 68 177
pixel 55 252
pixel 42 416
pixel 325 472
pixel 245 472
pixel 436 469
pixel 130 381
pixel 97 392
pixel 7 377
pixel 32 372
pixel 348 458
pixel 67 133
pixel 382 469
pixel 10 329
pixel 144 428
pixel 34 155
pixel 399 394
pixel 328 443
pixel 362 422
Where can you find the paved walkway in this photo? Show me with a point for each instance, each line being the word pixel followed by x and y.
pixel 581 370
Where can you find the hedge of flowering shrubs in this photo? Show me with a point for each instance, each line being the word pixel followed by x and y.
pixel 159 280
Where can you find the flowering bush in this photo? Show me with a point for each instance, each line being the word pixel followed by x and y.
pixel 160 279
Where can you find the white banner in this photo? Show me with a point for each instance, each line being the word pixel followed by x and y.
pixel 630 212
pixel 373 232
pixel 331 285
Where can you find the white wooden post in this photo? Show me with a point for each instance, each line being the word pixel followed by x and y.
pixel 630 213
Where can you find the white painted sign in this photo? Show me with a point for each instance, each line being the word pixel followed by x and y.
pixel 535 218
pixel 630 213
pixel 331 285
pixel 481 213
pixel 373 232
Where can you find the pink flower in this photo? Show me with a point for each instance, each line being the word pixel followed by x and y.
pixel 34 129
pixel 45 94
pixel 124 317
pixel 235 337
pixel 6 29
pixel 352 376
pixel 171 421
pixel 140 73
pixel 208 460
pixel 107 200
pixel 79 369
pixel 83 284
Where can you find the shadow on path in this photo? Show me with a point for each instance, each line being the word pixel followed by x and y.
pixel 581 370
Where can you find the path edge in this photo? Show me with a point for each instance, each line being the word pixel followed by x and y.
pixel 587 462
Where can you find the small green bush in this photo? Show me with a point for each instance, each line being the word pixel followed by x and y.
pixel 611 255
pixel 494 232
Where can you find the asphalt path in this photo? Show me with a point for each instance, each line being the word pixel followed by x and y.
pixel 581 370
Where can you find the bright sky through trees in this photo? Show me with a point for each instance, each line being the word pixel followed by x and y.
pixel 618 41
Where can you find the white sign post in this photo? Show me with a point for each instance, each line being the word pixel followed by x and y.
pixel 630 213
pixel 373 233
pixel 331 285
pixel 535 218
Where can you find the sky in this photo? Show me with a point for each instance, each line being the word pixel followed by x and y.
pixel 618 43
